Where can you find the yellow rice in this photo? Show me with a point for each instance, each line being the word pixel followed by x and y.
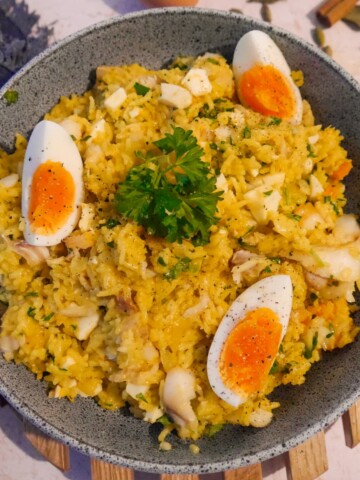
pixel 121 264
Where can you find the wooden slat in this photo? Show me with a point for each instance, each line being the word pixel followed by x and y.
pixel 55 452
pixel 166 476
pixel 253 472
pixel 106 471
pixel 309 460
pixel 354 416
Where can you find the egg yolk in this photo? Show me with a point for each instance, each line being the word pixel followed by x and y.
pixel 250 350
pixel 266 90
pixel 52 198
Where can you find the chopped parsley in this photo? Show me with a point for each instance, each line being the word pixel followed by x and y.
pixel 327 199
pixel 11 96
pixel 173 195
pixel 31 294
pixel 297 218
pixel 309 350
pixel 313 297
pixel 267 269
pixel 111 244
pixel 141 89
pixel 246 132
pixel 249 230
pixel 212 113
pixel 183 265
pixel 310 151
pixel 73 137
pixel 110 223
pixel 164 420
pixel 332 331
pixel 31 312
pixel 213 61
pixel 180 66
pixel 274 369
pixel 140 396
pixel 161 261
pixel 276 260
pixel 207 112
pixel 286 196
pixel 85 139
pixel 275 121
pixel 213 429
pixel 46 318
pixel 213 146
pixel 268 193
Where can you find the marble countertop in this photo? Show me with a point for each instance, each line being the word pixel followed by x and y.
pixel 18 459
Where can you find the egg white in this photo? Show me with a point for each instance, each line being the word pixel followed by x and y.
pixel 51 142
pixel 274 292
pixel 257 48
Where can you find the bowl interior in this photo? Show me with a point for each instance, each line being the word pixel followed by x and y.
pixel 154 38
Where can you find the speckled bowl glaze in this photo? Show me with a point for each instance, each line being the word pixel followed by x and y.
pixel 153 38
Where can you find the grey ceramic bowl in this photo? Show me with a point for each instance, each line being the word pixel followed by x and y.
pixel 153 38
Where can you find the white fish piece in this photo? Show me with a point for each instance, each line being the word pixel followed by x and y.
pixel 197 81
pixel 10 180
pixel 115 100
pixel 175 96
pixel 178 391
pixel 338 263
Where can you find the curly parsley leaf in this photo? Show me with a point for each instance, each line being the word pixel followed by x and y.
pixel 183 265
pixel 173 195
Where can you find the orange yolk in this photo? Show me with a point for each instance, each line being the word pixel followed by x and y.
pixel 51 199
pixel 267 91
pixel 250 350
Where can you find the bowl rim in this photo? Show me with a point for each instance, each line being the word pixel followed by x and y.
pixel 45 425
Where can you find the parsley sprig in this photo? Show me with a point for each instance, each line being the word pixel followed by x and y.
pixel 172 194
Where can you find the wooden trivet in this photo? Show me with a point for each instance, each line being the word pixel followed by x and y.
pixel 305 462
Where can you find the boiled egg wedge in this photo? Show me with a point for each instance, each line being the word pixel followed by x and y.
pixel 263 78
pixel 248 339
pixel 52 185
